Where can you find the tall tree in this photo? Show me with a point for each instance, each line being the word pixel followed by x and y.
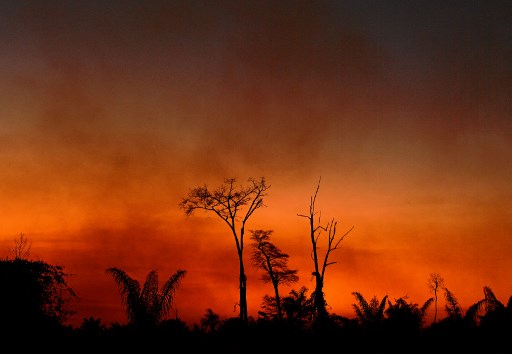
pixel 435 283
pixel 320 265
pixel 146 307
pixel 273 262
pixel 234 204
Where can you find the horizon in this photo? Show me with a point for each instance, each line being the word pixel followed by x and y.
pixel 111 113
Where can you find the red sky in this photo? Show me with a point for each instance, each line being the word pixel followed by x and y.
pixel 110 113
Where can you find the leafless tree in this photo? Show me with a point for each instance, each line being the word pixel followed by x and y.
pixel 273 262
pixel 435 283
pixel 21 248
pixel 316 229
pixel 234 204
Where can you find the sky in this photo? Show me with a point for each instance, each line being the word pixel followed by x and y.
pixel 111 112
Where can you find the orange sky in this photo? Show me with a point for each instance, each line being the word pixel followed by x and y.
pixel 109 113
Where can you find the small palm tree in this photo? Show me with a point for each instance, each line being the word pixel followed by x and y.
pixel 148 306
pixel 369 314
pixel 210 322
pixel 406 316
pixel 92 326
pixel 298 307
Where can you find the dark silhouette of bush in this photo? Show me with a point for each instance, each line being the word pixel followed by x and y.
pixel 35 297
pixel 405 316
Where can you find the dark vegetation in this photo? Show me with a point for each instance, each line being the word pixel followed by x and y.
pixel 36 301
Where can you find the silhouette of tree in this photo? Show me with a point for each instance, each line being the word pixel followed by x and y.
pixel 273 262
pixel 495 316
pixel 452 307
pixel 92 327
pixel 435 283
pixel 457 327
pixel 146 307
pixel 369 314
pixel 228 202
pixel 315 231
pixel 268 310
pixel 298 307
pixel 21 248
pixel 210 322
pixel 35 296
pixel 406 316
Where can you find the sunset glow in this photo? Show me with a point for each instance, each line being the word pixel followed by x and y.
pixel 111 112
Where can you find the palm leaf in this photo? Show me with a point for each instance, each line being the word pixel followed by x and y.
pixel 452 305
pixel 150 289
pixel 168 290
pixel 363 307
pixel 426 305
pixel 382 306
pixel 129 290
pixel 473 310
pixel 491 302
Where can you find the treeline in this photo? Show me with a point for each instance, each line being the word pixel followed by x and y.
pixel 35 301
pixel 35 297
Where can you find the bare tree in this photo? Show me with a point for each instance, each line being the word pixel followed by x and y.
pixel 234 204
pixel 273 262
pixel 21 248
pixel 315 231
pixel 435 283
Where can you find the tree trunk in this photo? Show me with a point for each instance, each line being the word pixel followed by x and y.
pixel 435 313
pixel 321 311
pixel 278 302
pixel 243 291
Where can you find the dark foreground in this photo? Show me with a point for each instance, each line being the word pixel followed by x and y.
pixel 258 338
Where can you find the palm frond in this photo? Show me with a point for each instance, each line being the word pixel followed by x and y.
pixel 452 305
pixel 492 303
pixel 129 290
pixel 426 305
pixel 359 313
pixel 363 304
pixel 166 296
pixel 150 289
pixel 473 310
pixel 382 306
pixel 489 294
